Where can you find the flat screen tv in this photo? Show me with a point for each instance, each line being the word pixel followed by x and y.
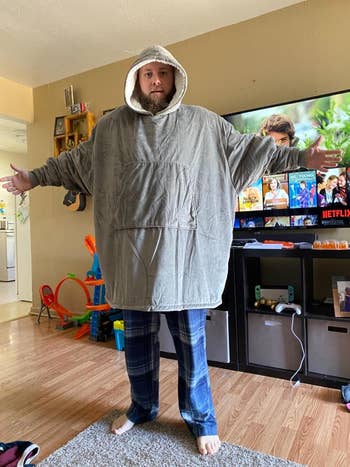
pixel 302 199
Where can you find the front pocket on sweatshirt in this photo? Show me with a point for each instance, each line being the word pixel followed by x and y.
pixel 149 194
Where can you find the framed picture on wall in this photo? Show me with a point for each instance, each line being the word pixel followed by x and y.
pixel 69 96
pixel 59 126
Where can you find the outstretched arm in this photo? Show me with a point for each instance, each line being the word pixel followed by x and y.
pixel 17 183
pixel 317 158
pixel 71 169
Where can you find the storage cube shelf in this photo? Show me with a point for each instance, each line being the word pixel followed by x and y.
pixel 265 343
pixel 78 128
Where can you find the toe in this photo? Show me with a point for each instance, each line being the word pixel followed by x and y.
pixel 211 448
pixel 202 450
pixel 201 447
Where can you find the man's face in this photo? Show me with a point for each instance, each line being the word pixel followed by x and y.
pixel 156 86
pixel 281 139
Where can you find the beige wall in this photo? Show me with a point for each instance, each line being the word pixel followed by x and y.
pixel 294 53
pixel 16 100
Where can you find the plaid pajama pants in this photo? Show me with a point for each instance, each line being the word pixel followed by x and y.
pixel 187 328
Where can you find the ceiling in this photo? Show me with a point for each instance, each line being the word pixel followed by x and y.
pixel 48 40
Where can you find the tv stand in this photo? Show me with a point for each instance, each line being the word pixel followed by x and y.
pixel 265 344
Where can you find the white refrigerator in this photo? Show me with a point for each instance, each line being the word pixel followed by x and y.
pixel 7 256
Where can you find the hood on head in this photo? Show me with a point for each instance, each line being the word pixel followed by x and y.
pixel 155 53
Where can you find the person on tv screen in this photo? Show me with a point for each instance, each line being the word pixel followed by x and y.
pixel 276 197
pixel 321 200
pixel 330 190
pixel 281 128
pixel 341 194
pixel 304 195
pixel 164 177
pixel 307 221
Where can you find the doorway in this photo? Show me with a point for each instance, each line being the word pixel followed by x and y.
pixel 17 287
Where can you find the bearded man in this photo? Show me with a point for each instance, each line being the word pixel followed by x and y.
pixel 164 178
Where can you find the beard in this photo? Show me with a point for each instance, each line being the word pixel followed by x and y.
pixel 153 104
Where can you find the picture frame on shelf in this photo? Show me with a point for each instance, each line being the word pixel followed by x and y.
pixel 59 128
pixel 341 296
pixel 75 109
pixel 344 297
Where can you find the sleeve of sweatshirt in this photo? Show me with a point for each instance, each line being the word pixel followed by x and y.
pixel 250 156
pixel 71 169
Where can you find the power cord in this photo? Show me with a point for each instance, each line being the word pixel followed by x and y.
pixel 296 383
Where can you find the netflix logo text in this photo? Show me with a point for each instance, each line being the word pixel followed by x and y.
pixel 333 213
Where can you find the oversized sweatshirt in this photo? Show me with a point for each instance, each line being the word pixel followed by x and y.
pixel 164 191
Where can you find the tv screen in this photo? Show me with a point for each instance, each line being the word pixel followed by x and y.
pixel 304 198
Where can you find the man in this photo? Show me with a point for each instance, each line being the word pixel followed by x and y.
pixel 165 177
pixel 281 128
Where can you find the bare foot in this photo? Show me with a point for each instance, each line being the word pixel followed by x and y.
pixel 208 444
pixel 121 424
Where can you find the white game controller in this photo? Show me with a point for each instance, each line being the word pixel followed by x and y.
pixel 282 306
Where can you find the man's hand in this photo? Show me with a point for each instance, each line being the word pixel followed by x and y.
pixel 317 158
pixel 17 183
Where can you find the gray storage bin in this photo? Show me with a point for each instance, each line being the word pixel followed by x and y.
pixel 217 335
pixel 328 347
pixel 271 342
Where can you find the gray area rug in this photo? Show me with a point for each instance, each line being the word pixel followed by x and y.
pixel 151 444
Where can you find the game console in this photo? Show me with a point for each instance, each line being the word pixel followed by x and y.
pixel 292 306
pixel 281 294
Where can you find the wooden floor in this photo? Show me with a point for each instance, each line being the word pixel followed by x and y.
pixel 10 307
pixel 8 292
pixel 53 386
pixel 14 310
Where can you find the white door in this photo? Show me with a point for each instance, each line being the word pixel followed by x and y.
pixel 23 250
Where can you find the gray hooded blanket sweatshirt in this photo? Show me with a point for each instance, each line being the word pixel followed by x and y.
pixel 164 189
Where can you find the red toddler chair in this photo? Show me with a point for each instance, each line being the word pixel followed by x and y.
pixel 47 299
